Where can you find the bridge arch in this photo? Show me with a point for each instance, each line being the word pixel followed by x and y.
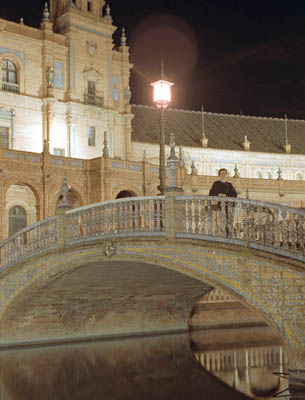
pixel 214 265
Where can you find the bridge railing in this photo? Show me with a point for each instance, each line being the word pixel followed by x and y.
pixel 263 225
pixel 138 216
pixel 28 241
pixel 267 226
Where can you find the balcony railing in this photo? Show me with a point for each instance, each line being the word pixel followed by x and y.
pixel 10 87
pixel 93 100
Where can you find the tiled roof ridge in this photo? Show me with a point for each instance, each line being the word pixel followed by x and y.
pixel 222 114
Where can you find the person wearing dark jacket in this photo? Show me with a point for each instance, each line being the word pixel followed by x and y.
pixel 221 187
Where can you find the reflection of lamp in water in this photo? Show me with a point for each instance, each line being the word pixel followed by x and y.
pixel 162 97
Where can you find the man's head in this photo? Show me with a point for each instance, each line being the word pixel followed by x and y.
pixel 222 173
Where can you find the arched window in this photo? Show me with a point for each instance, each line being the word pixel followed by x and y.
pixel 17 219
pixel 299 176
pixel 9 76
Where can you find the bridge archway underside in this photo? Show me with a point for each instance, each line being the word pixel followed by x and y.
pixel 273 285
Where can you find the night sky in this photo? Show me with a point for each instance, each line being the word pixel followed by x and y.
pixel 231 56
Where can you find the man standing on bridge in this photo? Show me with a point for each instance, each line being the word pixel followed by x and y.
pixel 222 188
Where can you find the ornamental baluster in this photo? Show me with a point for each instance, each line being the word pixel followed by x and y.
pixel 158 216
pixel 202 217
pixel 120 216
pixel 284 230
pixel 102 220
pixel 196 216
pixel 106 219
pixel 135 216
pixel 92 221
pixel 230 206
pixel 301 233
pixel 245 221
pixel 223 212
pixel 292 231
pixel 259 224
pixel 125 218
pixel 141 216
pixel 210 217
pixel 115 218
pixel 276 227
pixel 146 215
pixel 130 216
pixel 267 235
pixel 88 222
pixel 99 220
pixel 183 208
pixel 189 215
pixel 152 216
pixel 251 223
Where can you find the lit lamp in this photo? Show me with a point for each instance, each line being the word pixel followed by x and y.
pixel 162 97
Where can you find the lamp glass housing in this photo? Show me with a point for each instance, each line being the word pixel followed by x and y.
pixel 162 92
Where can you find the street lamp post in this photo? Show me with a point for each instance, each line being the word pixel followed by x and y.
pixel 162 97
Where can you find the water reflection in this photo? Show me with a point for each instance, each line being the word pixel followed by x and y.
pixel 248 370
pixel 157 367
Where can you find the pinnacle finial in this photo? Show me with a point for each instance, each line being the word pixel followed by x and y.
pixel 236 172
pixel 45 13
pixel 21 21
pixel 193 168
pixel 181 157
pixel 108 16
pixel 123 37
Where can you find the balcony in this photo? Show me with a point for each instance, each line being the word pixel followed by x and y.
pixel 10 87
pixel 93 100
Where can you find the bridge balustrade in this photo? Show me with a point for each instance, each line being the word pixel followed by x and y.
pixel 123 217
pixel 267 226
pixel 30 240
pixel 261 224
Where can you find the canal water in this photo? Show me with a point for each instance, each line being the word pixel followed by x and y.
pixel 172 366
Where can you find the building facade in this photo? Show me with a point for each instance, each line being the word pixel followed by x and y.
pixel 65 112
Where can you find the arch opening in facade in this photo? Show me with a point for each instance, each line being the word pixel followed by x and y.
pixel 73 198
pixel 125 193
pixel 22 207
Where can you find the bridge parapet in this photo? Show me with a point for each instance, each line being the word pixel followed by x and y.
pixel 265 226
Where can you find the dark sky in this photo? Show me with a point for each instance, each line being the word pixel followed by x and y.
pixel 230 56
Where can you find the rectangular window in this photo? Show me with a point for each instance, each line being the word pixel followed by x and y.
pixel 91 88
pixel 4 137
pixel 89 6
pixel 59 75
pixel 59 152
pixel 91 135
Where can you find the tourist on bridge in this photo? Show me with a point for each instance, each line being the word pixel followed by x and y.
pixel 222 188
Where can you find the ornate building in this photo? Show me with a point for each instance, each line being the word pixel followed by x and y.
pixel 65 112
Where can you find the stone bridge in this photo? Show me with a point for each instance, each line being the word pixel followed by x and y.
pixel 139 265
